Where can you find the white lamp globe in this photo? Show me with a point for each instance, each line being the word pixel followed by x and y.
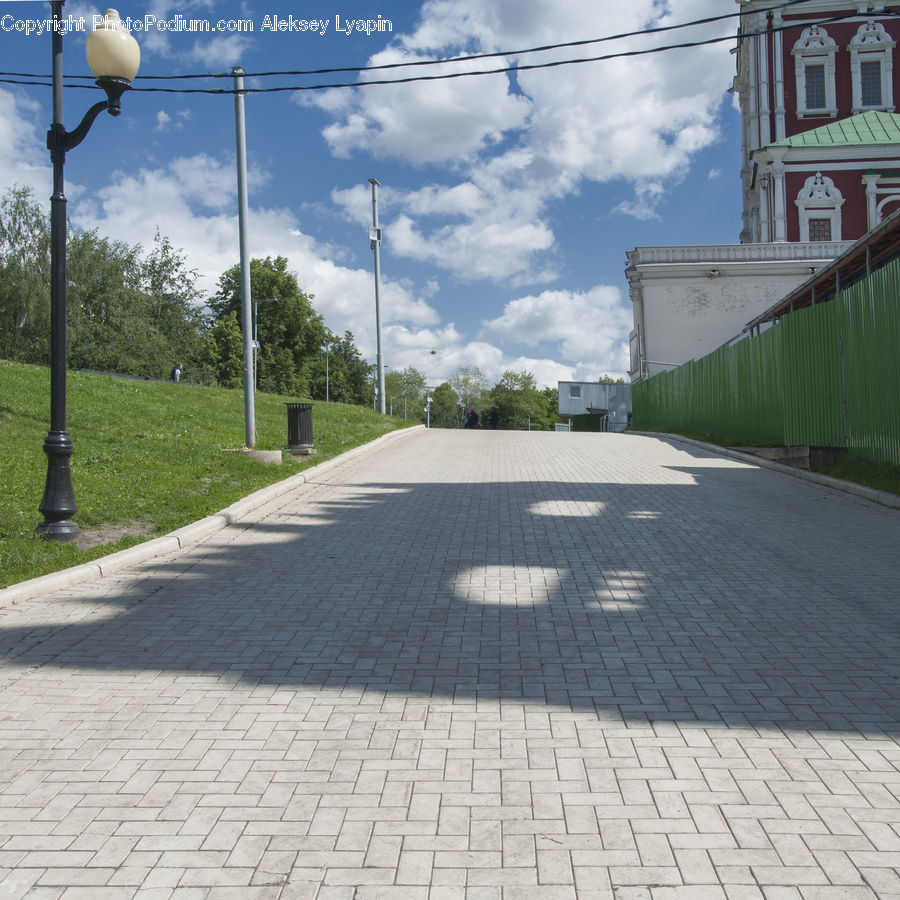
pixel 111 50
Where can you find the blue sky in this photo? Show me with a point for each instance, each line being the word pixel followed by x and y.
pixel 507 202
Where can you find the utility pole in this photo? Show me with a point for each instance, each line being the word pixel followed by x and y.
pixel 246 305
pixel 375 243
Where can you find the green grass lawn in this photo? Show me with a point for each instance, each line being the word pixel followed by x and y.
pixel 147 454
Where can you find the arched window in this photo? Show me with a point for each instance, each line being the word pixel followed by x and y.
pixel 814 68
pixel 871 68
pixel 819 203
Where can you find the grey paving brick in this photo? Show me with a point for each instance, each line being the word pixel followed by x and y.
pixel 465 664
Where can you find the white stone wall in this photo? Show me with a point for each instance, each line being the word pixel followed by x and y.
pixel 688 301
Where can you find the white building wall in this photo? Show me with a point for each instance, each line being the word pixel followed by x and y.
pixel 688 301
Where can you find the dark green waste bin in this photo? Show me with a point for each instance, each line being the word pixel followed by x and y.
pixel 300 429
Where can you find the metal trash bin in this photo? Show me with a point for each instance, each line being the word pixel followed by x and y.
pixel 300 429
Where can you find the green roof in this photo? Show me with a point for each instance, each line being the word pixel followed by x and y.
pixel 867 128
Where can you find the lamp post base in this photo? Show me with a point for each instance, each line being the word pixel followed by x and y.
pixel 58 505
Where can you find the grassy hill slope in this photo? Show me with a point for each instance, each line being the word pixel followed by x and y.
pixel 149 457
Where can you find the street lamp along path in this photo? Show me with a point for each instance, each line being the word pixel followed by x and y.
pixel 114 57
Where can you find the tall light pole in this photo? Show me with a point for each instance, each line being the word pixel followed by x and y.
pixel 375 242
pixel 114 57
pixel 327 374
pixel 241 146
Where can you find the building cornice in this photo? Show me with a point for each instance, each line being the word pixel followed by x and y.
pixel 852 157
pixel 706 256
pixel 818 6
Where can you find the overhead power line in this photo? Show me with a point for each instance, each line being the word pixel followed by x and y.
pixel 444 76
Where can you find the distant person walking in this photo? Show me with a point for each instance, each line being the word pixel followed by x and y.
pixel 471 420
pixel 495 417
pixel 175 374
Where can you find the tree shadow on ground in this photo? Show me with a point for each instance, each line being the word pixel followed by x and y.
pixel 646 602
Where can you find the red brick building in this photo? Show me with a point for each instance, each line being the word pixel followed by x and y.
pixel 817 87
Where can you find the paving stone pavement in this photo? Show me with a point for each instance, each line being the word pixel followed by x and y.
pixel 473 665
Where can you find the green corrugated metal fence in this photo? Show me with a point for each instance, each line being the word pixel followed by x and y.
pixel 828 375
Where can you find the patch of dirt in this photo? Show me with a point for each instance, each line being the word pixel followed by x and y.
pixel 109 534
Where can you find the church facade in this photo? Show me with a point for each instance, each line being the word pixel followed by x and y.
pixel 817 84
pixel 818 87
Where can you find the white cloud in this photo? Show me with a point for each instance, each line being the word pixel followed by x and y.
pixel 222 51
pixel 167 122
pixel 590 328
pixel 19 143
pixel 435 121
pixel 517 151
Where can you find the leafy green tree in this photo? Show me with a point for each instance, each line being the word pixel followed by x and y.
pixel 519 403
pixel 290 331
pixel 406 385
pixel 24 278
pixel 173 307
pixel 445 409
pixel 470 385
pixel 126 312
pixel 348 372
pixel 223 352
pixel 551 410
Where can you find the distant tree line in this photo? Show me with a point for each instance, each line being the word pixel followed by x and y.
pixel 519 403
pixel 138 312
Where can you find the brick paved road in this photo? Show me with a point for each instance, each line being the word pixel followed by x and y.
pixel 473 664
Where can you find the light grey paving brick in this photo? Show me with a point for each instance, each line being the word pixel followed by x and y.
pixel 473 664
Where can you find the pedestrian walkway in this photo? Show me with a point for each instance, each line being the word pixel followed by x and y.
pixel 473 665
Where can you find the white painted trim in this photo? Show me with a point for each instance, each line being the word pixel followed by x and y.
pixel 819 199
pixel 871 183
pixel 872 43
pixel 889 197
pixel 815 47
pixel 706 255
pixel 765 113
pixel 780 111
pixel 815 165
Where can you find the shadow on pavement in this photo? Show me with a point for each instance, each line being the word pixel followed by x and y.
pixel 647 602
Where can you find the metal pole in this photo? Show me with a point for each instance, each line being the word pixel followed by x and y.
pixel 327 348
pixel 255 342
pixel 246 312
pixel 376 247
pixel 58 504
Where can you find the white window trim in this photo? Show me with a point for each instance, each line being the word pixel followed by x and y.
pixel 872 44
pixel 815 48
pixel 819 199
pixel 575 392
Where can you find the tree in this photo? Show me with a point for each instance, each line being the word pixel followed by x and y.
pixel 551 411
pixel 126 311
pixel 520 404
pixel 470 385
pixel 223 352
pixel 348 372
pixel 290 331
pixel 406 387
pixel 445 408
pixel 24 278
pixel 172 306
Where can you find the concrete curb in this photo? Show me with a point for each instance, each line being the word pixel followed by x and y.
pixel 188 534
pixel 885 498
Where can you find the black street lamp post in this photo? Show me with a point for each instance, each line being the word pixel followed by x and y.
pixel 114 57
